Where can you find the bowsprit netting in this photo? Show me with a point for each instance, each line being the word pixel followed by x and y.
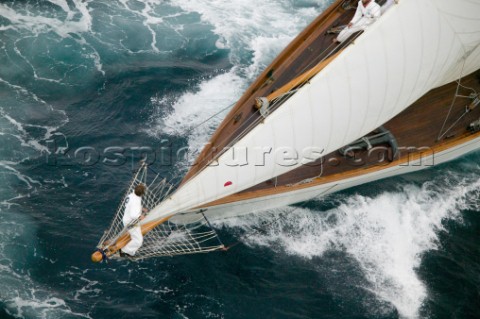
pixel 193 235
pixel 170 239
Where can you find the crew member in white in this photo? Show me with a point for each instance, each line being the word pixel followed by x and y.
pixel 367 12
pixel 133 211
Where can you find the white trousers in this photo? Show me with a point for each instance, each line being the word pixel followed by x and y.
pixel 362 24
pixel 136 241
pixel 347 32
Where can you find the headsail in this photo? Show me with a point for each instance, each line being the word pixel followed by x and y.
pixel 415 47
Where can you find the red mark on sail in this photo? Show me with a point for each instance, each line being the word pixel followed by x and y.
pixel 227 184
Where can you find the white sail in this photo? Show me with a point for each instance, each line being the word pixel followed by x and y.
pixel 415 47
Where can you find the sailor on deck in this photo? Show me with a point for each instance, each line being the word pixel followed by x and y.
pixel 367 12
pixel 133 211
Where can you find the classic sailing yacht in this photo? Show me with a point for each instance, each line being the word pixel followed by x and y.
pixel 399 97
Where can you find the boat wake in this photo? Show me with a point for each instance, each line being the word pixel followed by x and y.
pixel 186 115
pixel 386 234
pixel 253 36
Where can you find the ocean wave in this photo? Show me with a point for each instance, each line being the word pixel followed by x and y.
pixel 47 25
pixel 254 32
pixel 185 115
pixel 248 26
pixel 22 296
pixel 386 234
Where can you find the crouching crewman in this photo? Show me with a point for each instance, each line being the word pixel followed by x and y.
pixel 368 11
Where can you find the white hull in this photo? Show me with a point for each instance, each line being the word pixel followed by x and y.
pixel 260 204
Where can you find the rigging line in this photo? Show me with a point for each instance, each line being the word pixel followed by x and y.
pixel 213 229
pixel 331 14
pixel 468 88
pixel 274 106
pixel 337 48
pixel 208 119
pixel 280 100
pixel 314 61
pixel 122 202
pixel 451 126
pixel 297 86
pixel 170 181
pixel 440 135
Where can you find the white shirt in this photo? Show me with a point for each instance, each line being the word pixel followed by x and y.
pixel 367 14
pixel 133 208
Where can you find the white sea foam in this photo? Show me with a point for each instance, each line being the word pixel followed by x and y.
pixel 89 289
pixel 387 235
pixel 19 131
pixel 38 24
pixel 22 296
pixel 151 20
pixel 21 146
pixel 261 28
pixel 64 5
pixel 187 114
pixel 8 169
pixel 23 133
pixel 240 23
pixel 22 138
pixel 8 203
pixel 24 91
pixel 247 28
pixel 5 28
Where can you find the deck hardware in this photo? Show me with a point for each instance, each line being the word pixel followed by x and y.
pixel 237 118
pixel 474 127
pixel 262 104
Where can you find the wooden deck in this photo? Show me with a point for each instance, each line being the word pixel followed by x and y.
pixel 308 49
pixel 415 130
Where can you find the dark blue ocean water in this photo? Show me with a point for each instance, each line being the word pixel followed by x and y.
pixel 78 77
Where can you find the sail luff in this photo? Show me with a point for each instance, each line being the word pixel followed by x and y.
pixel 403 54
pixel 285 58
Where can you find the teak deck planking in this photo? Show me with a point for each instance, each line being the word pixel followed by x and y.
pixel 418 126
pixel 291 63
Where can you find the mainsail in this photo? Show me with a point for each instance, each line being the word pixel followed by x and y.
pixel 314 107
pixel 415 47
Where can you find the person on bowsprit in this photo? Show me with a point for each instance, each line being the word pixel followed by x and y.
pixel 367 12
pixel 133 211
